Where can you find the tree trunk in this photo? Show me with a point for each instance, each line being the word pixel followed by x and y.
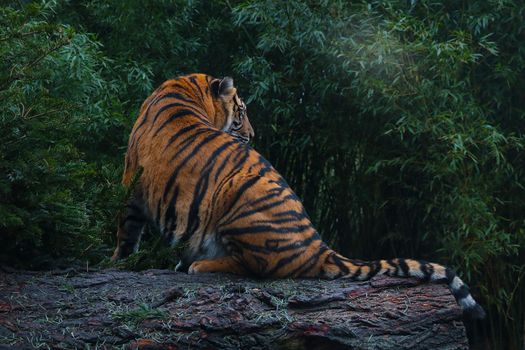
pixel 160 309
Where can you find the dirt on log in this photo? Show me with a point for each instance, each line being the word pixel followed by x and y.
pixel 161 309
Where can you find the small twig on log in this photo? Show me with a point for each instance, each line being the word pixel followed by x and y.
pixel 169 296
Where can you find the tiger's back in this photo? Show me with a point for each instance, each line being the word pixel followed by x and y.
pixel 203 187
pixel 177 124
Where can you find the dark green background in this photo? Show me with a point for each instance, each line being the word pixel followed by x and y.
pixel 399 123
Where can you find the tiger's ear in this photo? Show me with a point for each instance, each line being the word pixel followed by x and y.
pixel 224 87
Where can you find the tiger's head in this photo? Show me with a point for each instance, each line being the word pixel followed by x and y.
pixel 230 110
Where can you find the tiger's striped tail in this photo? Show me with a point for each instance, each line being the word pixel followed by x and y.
pixel 420 269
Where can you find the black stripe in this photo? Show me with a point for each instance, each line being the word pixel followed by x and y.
pixel 450 274
pixel 201 93
pixel 218 187
pixel 170 214
pixel 222 166
pixel 211 159
pixel 426 269
pixel 182 86
pixel 178 96
pixel 226 180
pixel 245 186
pixel 356 274
pixel 342 267
pixel 155 100
pixel 256 210
pixel 274 243
pixel 261 262
pixel 391 264
pixel 237 153
pixel 202 187
pixel 404 267
pixel 232 174
pixel 291 213
pixel 251 247
pixel 272 192
pixel 146 112
pixel 305 266
pixel 294 245
pixel 264 228
pixel 166 107
pixel 275 221
pixel 200 191
pixel 197 148
pixel 189 141
pixel 179 114
pixel 193 212
pixel 182 132
pixel 375 267
pixel 264 250
pixel 461 293
pixel 283 262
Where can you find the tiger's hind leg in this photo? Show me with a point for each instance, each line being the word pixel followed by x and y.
pixel 131 226
pixel 228 264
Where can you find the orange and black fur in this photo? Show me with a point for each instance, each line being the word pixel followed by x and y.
pixel 202 185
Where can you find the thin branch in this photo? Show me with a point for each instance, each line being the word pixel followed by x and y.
pixel 21 35
pixel 12 78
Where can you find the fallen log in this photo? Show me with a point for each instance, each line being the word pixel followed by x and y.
pixel 161 309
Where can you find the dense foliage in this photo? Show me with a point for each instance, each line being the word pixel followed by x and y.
pixel 56 113
pixel 399 123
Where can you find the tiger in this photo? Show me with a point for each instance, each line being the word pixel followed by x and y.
pixel 208 191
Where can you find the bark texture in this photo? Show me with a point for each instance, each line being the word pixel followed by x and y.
pixel 160 309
